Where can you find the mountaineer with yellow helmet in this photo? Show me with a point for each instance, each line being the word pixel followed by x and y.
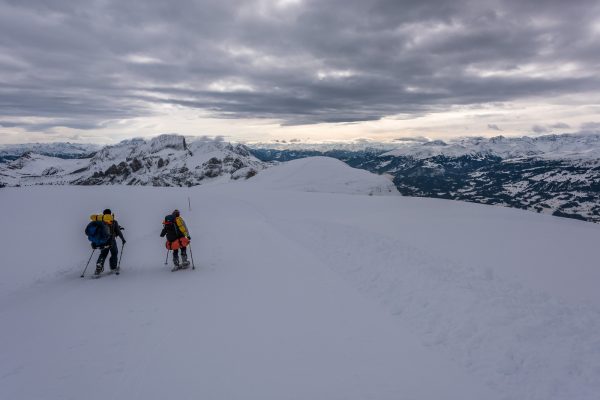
pixel 107 218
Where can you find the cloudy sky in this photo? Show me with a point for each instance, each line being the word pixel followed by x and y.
pixel 297 69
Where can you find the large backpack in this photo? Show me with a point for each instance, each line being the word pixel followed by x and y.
pixel 98 233
pixel 170 224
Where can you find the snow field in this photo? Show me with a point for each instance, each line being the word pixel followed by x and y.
pixel 298 294
pixel 259 318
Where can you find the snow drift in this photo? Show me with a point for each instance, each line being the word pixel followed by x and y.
pixel 325 175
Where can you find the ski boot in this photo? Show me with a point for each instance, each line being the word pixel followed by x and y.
pixel 99 269
pixel 175 264
pixel 185 263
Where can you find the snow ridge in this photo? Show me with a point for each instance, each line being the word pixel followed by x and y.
pixel 324 175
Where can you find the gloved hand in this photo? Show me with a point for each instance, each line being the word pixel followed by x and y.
pixel 123 241
pixel 189 238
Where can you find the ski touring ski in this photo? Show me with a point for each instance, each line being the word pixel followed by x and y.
pixel 184 265
pixel 115 271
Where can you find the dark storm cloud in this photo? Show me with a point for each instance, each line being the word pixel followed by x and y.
pixel 85 63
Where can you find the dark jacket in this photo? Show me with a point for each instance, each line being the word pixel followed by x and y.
pixel 115 231
pixel 174 230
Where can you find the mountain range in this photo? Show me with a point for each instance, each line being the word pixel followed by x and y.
pixel 65 150
pixel 555 174
pixel 166 160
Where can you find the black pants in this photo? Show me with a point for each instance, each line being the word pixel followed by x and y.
pixel 176 253
pixel 114 251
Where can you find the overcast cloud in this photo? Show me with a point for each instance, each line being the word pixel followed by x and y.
pixel 83 64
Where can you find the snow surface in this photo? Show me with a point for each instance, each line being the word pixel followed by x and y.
pixel 323 174
pixel 299 293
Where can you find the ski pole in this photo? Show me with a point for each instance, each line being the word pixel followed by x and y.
pixel 88 263
pixel 192 256
pixel 167 257
pixel 119 264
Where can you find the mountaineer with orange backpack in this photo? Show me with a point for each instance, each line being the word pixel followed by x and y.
pixel 178 237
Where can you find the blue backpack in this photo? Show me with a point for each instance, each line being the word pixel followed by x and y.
pixel 98 233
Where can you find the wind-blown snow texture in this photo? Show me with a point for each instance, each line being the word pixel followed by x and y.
pixel 298 294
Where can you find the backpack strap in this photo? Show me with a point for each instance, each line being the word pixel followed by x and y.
pixel 112 227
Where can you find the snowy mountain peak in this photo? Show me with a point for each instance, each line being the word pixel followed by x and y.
pixel 167 141
pixel 139 147
pixel 166 160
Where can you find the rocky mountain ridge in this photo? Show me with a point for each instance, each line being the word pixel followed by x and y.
pixel 166 160
pixel 555 174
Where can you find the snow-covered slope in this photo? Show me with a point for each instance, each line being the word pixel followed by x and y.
pixel 67 150
pixel 166 160
pixel 38 169
pixel 323 174
pixel 31 169
pixel 297 295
